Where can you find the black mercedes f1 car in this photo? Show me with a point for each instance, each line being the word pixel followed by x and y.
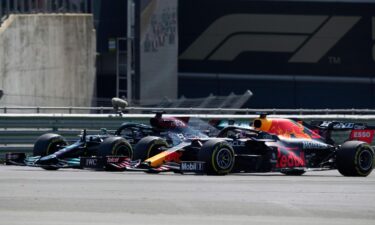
pixel 51 151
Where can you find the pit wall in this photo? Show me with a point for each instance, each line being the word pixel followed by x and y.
pixel 47 60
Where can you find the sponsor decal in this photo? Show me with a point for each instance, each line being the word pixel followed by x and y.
pixel 288 159
pixel 359 127
pixel 343 126
pixel 289 129
pixel 362 135
pixel 238 143
pixel 113 159
pixel 192 166
pixel 313 145
pixel 91 162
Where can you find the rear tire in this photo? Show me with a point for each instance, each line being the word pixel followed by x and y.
pixel 355 158
pixel 48 144
pixel 218 156
pixel 148 147
pixel 115 146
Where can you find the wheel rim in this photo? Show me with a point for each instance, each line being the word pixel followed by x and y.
pixel 224 158
pixel 365 160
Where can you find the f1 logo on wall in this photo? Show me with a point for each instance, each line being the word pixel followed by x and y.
pixel 307 37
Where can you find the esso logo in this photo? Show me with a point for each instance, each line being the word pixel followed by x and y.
pixel 362 134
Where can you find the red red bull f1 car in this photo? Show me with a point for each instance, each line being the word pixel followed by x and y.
pixel 281 145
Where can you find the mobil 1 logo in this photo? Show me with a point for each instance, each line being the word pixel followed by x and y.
pixel 192 166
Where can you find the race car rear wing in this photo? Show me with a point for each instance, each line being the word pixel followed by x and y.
pixel 359 131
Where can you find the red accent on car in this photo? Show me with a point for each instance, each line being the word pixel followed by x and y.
pixel 362 135
pixel 173 157
pixel 168 122
pixel 286 158
pixel 291 129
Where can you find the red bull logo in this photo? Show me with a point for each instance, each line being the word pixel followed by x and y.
pixel 285 127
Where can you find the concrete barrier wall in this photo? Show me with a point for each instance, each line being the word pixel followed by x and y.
pixel 47 60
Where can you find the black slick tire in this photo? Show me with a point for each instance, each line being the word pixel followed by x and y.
pixel 115 146
pixel 355 158
pixel 148 147
pixel 48 144
pixel 218 156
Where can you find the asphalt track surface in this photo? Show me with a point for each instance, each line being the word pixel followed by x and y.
pixel 76 197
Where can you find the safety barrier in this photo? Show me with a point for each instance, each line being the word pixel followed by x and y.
pixel 18 132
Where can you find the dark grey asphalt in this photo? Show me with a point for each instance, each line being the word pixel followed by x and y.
pixel 76 197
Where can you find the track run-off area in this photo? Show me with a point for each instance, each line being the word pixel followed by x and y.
pixel 31 196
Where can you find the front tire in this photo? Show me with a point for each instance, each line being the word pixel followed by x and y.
pixel 218 156
pixel 148 147
pixel 355 158
pixel 115 146
pixel 48 144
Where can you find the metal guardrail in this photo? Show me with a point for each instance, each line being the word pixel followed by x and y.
pixel 132 110
pixel 18 132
